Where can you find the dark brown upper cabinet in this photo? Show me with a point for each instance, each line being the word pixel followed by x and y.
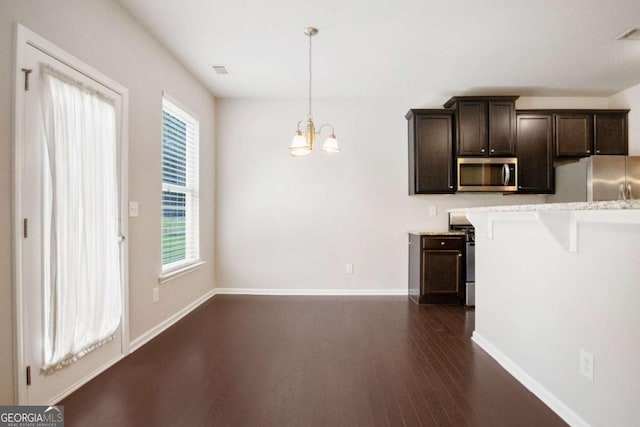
pixel 472 128
pixel 610 132
pixel 535 152
pixel 486 125
pixel 582 133
pixel 431 152
pixel 574 134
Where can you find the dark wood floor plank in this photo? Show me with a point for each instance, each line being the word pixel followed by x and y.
pixel 312 361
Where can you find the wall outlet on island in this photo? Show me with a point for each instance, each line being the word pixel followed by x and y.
pixel 586 364
pixel 156 294
pixel 433 211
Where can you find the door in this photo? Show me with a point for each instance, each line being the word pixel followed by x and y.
pixel 502 128
pixel 633 177
pixel 472 128
pixel 606 175
pixel 32 264
pixel 574 134
pixel 434 167
pixel 535 153
pixel 610 133
pixel 442 269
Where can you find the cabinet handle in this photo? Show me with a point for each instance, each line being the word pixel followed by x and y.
pixel 493 150
pixel 441 243
pixel 588 151
pixel 451 186
pixel 460 255
pixel 597 151
pixel 482 151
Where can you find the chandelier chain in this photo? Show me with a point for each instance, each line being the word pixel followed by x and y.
pixel 310 115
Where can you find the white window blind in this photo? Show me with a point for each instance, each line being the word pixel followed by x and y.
pixel 180 188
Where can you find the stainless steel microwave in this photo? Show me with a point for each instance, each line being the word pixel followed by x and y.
pixel 497 174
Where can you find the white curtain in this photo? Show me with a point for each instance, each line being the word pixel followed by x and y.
pixel 82 282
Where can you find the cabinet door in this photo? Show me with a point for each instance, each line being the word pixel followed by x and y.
pixel 574 135
pixel 441 269
pixel 432 165
pixel 442 276
pixel 502 129
pixel 611 133
pixel 535 153
pixel 472 128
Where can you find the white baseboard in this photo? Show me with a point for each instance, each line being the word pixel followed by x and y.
pixel 556 405
pixel 328 292
pixel 164 325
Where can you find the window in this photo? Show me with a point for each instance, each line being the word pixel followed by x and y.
pixel 180 187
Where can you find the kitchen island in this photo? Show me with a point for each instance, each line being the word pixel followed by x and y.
pixel 556 283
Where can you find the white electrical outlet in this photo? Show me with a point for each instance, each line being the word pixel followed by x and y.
pixel 586 364
pixel 156 294
pixel 133 209
pixel 349 268
pixel 433 211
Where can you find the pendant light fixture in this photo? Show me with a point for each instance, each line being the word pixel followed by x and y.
pixel 303 140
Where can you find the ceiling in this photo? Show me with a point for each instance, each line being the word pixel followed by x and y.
pixel 403 48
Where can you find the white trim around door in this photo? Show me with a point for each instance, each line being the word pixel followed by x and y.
pixel 25 39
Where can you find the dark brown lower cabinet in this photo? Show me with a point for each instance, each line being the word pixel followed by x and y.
pixel 436 269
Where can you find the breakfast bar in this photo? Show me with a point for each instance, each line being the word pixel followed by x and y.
pixel 556 293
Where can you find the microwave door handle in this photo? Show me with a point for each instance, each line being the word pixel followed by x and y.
pixel 506 174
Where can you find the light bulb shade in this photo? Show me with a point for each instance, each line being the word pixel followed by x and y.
pixel 331 145
pixel 299 145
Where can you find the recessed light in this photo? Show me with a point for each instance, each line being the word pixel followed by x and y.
pixel 630 34
pixel 221 70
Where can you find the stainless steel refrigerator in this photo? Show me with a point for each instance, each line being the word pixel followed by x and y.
pixel 598 178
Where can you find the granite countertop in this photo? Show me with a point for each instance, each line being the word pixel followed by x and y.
pixel 437 233
pixel 576 206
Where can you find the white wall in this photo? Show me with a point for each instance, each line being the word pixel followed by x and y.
pixel 630 98
pixel 293 223
pixel 539 305
pixel 104 36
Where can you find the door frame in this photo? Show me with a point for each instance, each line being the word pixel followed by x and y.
pixel 24 38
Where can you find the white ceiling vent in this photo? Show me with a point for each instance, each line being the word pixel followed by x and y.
pixel 630 34
pixel 221 70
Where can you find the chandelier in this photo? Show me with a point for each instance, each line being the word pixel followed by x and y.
pixel 302 143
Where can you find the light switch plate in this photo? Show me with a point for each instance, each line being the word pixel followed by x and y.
pixel 349 268
pixel 586 364
pixel 133 209
pixel 433 211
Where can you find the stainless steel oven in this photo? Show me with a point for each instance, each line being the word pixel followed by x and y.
pixel 458 221
pixel 488 174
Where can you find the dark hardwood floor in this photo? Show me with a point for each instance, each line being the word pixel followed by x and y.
pixel 310 361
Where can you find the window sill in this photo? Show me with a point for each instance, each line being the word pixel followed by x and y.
pixel 180 271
